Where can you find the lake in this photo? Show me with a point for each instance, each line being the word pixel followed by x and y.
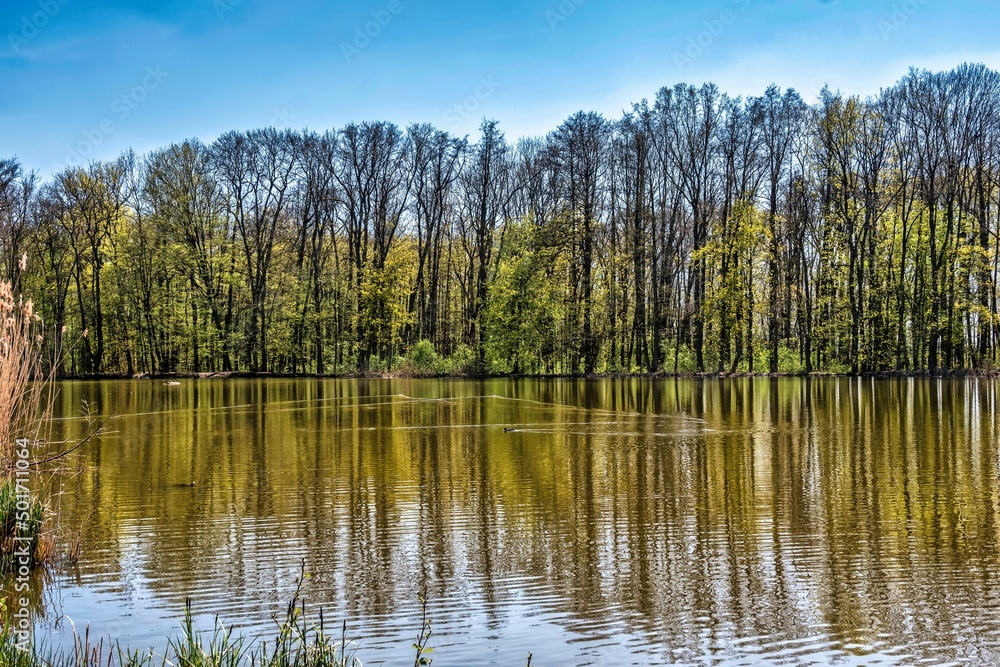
pixel 603 522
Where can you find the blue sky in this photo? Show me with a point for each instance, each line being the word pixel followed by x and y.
pixel 85 79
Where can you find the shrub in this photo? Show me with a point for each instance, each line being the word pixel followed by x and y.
pixel 424 358
pixel 463 361
pixel 28 533
pixel 789 361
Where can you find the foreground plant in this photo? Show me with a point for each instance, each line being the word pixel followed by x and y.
pixel 297 643
pixel 422 658
pixel 21 403
pixel 26 400
pixel 24 542
pixel 300 643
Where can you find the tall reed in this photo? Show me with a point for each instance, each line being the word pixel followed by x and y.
pixel 22 408
pixel 25 408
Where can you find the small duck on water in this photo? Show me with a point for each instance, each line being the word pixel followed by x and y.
pixel 171 384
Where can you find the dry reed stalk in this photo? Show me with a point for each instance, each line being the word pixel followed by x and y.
pixel 23 406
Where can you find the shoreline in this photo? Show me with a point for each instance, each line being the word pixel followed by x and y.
pixel 246 375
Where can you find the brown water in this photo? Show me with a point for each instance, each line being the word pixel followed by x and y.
pixel 731 522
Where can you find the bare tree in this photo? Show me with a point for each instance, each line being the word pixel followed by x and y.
pixel 437 160
pixel 782 118
pixel 17 193
pixel 687 125
pixel 487 193
pixel 187 203
pixel 375 186
pixel 90 203
pixel 581 145
pixel 256 171
pixel 316 210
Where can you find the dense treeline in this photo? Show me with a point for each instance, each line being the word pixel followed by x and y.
pixel 698 232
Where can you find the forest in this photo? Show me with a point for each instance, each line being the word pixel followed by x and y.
pixel 697 233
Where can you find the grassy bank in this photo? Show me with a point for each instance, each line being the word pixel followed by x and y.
pixel 24 541
pixel 296 642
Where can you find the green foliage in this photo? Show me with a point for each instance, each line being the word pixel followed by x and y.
pixel 462 361
pixel 686 361
pixel 789 361
pixel 422 360
pixel 421 645
pixel 735 259
pixel 382 309
pixel 523 307
pixel 30 528
pixel 298 642
pixel 222 649
pixel 588 250
pixel 423 356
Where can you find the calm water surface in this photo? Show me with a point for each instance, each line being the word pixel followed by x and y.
pixel 730 522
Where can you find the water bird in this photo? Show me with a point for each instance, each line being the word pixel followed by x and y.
pixel 508 429
pixel 171 384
